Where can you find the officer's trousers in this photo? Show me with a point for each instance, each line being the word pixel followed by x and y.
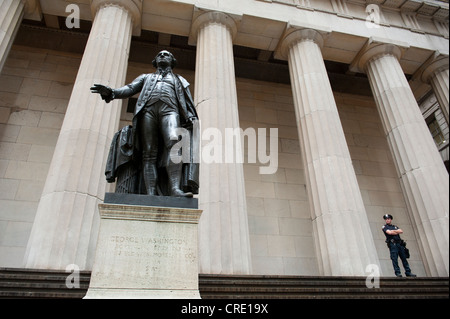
pixel 396 251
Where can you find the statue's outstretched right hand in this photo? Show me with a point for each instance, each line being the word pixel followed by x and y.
pixel 105 92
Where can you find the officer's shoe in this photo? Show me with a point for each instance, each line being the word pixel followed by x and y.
pixel 411 275
pixel 398 275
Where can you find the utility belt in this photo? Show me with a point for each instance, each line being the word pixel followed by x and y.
pixel 401 242
pixel 393 241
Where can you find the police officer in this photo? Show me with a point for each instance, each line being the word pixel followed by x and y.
pixel 396 246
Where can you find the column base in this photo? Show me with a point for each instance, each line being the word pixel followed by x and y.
pixel 146 252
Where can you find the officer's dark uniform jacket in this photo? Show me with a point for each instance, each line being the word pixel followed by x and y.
pixel 146 84
pixel 391 238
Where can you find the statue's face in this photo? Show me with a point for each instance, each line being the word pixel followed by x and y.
pixel 164 58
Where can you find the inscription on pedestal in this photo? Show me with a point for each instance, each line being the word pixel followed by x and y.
pixel 137 250
pixel 151 247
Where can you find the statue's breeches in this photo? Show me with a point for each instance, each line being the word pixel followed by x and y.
pixel 158 122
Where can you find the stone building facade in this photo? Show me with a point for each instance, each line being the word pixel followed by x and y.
pixel 349 93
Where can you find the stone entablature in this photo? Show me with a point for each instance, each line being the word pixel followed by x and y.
pixel 261 24
pixel 435 9
pixel 399 13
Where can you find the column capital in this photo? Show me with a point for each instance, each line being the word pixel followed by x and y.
pixel 437 62
pixel 202 17
pixel 294 35
pixel 134 8
pixel 375 48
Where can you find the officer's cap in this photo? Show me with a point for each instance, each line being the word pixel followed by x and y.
pixel 388 216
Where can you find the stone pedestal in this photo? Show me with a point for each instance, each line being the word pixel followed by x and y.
pixel 146 252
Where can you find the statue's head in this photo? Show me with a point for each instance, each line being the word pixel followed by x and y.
pixel 164 57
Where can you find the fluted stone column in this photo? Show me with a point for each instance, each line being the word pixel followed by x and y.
pixel 436 74
pixel 344 242
pixel 423 177
pixel 11 13
pixel 66 223
pixel 224 245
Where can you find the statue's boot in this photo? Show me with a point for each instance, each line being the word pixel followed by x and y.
pixel 174 172
pixel 150 177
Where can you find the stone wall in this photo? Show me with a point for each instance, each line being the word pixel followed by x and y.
pixel 279 219
pixel 35 87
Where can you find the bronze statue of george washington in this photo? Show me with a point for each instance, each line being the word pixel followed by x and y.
pixel 140 155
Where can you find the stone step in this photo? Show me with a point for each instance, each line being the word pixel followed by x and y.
pixel 216 286
pixel 318 281
pixel 275 293
pixel 28 283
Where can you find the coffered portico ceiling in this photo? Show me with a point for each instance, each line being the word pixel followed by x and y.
pixel 420 28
